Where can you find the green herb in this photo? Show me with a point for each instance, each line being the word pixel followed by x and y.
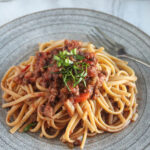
pixel 79 57
pixel 74 51
pixel 56 72
pixel 26 129
pixel 72 68
pixel 50 65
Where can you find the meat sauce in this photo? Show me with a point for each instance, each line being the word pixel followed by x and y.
pixel 45 70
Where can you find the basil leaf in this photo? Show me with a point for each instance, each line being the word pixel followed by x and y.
pixel 79 57
pixel 75 70
pixel 77 82
pixel 50 65
pixel 65 81
pixel 84 82
pixel 56 58
pixel 27 128
pixel 74 51
pixel 68 62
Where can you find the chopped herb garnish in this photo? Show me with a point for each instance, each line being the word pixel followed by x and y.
pixel 72 68
pixel 79 57
pixel 26 129
pixel 50 65
pixel 73 51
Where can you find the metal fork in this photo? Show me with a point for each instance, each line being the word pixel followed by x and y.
pixel 113 47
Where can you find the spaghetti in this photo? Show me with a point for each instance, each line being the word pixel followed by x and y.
pixel 73 87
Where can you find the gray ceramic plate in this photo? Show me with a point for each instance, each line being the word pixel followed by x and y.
pixel 19 39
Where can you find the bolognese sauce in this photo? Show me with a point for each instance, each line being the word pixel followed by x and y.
pixel 47 71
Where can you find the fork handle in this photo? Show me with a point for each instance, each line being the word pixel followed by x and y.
pixel 135 59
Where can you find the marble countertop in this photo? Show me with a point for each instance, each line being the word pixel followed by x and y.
pixel 135 12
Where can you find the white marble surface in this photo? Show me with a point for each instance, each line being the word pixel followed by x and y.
pixel 134 11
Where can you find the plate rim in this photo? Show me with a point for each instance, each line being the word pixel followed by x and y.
pixel 76 8
pixel 81 9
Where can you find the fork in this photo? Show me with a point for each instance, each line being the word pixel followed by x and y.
pixel 113 47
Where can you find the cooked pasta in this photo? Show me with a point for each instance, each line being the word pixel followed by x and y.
pixel 70 87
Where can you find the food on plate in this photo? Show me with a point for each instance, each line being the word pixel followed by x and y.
pixel 70 88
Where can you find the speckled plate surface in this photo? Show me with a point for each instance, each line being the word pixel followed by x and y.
pixel 19 39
